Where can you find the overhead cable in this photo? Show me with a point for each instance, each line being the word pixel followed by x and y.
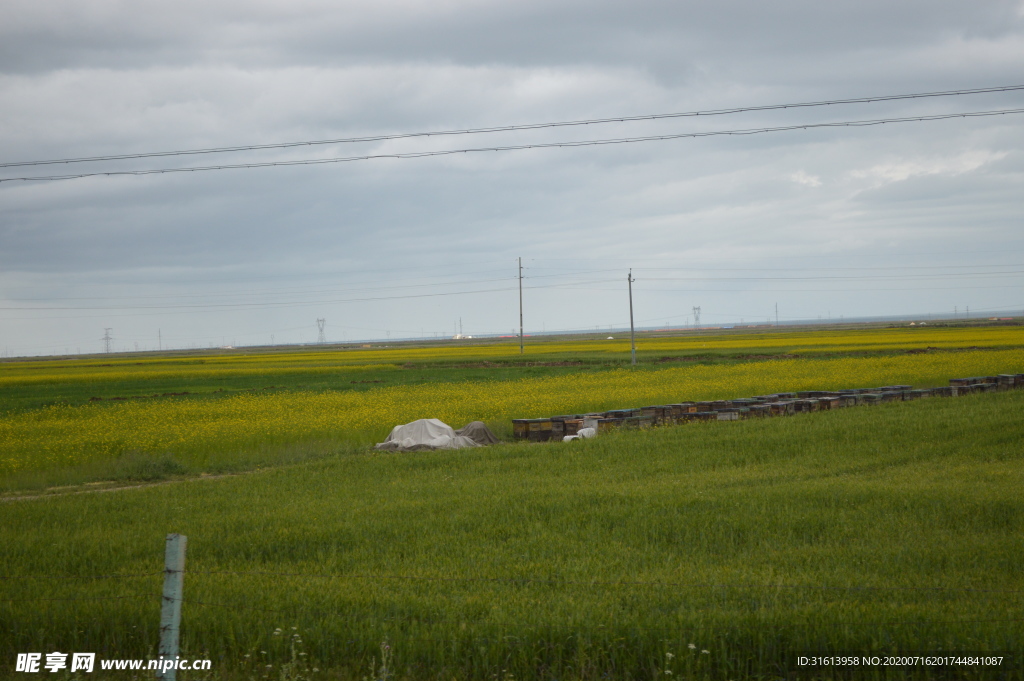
pixel 305 303
pixel 520 147
pixel 510 128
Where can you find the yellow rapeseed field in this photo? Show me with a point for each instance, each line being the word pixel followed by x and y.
pixel 281 364
pixel 19 376
pixel 63 436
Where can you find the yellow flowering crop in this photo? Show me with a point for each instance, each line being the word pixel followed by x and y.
pixel 62 436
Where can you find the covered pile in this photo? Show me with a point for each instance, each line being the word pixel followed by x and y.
pixel 429 434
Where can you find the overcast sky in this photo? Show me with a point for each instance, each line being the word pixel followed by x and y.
pixel 898 219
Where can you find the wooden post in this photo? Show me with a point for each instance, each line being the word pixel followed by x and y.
pixel 170 611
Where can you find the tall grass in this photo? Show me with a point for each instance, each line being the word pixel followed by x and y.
pixel 894 528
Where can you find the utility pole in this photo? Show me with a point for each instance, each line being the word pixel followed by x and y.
pixel 159 339
pixel 106 339
pixel 696 317
pixel 520 306
pixel 632 336
pixel 321 338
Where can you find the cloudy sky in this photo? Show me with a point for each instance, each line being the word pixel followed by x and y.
pixel 897 219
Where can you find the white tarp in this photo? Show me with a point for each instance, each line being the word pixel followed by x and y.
pixel 584 434
pixel 425 434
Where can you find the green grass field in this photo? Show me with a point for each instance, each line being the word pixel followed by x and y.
pixel 897 528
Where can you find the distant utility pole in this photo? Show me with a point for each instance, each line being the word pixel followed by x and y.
pixel 520 306
pixel 776 315
pixel 696 317
pixel 159 339
pixel 632 335
pixel 106 339
pixel 321 338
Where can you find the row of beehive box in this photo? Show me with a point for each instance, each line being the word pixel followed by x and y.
pixel 779 404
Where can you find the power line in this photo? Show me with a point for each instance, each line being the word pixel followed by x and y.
pixel 830 269
pixel 292 303
pixel 945 275
pixel 520 147
pixel 533 277
pixel 299 291
pixel 509 128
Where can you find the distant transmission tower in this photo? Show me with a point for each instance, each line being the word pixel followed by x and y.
pixel 321 338
pixel 696 317
pixel 106 339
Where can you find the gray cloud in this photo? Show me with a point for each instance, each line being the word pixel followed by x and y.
pixel 84 78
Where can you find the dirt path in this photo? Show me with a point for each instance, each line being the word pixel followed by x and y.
pixel 94 487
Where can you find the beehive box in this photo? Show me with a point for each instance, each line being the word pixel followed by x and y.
pixel 801 406
pixel 682 408
pixel 659 413
pixel 831 402
pixel 781 408
pixel 539 430
pixel 606 424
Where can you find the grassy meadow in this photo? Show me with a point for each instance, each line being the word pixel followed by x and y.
pixel 711 550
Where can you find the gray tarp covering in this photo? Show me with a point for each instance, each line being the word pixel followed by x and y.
pixel 426 434
pixel 478 432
